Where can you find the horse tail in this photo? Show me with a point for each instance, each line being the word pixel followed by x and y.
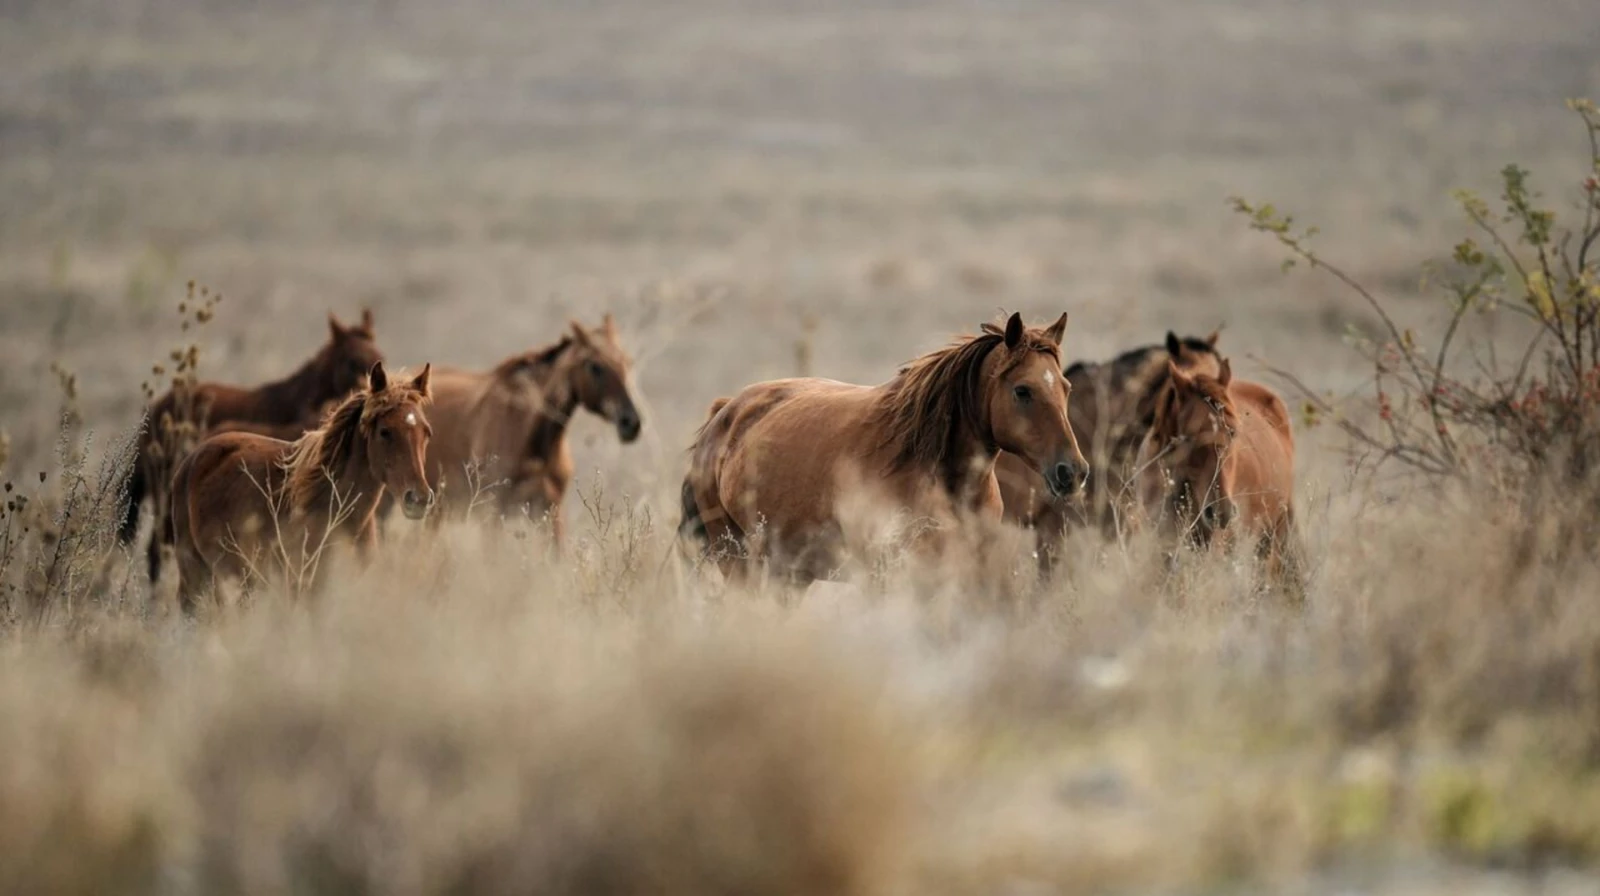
pixel 132 496
pixel 692 527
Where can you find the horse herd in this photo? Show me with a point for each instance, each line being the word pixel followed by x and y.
pixel 249 482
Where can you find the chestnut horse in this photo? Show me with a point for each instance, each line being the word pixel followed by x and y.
pixel 286 408
pixel 778 458
pixel 1113 407
pixel 1218 464
pixel 242 503
pixel 503 431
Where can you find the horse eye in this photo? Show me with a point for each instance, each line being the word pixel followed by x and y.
pixel 595 370
pixel 385 434
pixel 1023 393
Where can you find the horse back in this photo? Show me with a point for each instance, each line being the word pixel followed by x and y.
pixel 800 428
pixel 230 472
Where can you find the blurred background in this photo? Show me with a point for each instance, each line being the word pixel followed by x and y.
pixel 754 188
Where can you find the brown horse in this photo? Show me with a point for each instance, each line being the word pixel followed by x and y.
pixel 286 408
pixel 503 432
pixel 1218 464
pixel 780 457
pixel 1113 407
pixel 244 503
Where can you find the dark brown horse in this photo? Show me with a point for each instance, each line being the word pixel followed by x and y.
pixel 502 432
pixel 284 408
pixel 245 504
pixel 1113 406
pixel 1218 465
pixel 774 468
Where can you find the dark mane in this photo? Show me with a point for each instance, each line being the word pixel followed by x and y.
pixel 536 361
pixel 1141 373
pixel 1129 363
pixel 939 394
pixel 1133 357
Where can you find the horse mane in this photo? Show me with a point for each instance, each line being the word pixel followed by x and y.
pixel 1143 371
pixel 940 392
pixel 540 360
pixel 321 455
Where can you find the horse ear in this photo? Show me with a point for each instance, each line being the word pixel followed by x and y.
pixel 335 328
pixel 1226 375
pixel 423 380
pixel 366 321
pixel 377 379
pixel 579 334
pixel 1014 330
pixel 1180 380
pixel 1174 347
pixel 1058 329
pixel 1212 339
pixel 608 325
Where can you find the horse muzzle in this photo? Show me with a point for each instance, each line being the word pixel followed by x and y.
pixel 1066 479
pixel 628 425
pixel 415 505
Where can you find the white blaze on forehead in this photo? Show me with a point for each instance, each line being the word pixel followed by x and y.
pixel 411 419
pixel 1049 378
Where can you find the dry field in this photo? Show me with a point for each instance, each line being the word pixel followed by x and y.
pixel 757 189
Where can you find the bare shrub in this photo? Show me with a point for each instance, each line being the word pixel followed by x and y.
pixel 1534 416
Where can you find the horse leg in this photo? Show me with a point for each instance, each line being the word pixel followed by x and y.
pixel 196 580
pixel 727 545
pixel 1286 560
pixel 153 550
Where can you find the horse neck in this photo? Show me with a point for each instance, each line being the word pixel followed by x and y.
pixel 348 499
pixel 558 402
pixel 287 400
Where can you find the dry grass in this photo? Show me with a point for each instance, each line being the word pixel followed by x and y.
pixel 473 716
pixel 759 189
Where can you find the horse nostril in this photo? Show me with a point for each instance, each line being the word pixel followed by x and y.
pixel 1066 478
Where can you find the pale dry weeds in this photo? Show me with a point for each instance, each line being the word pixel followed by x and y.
pixel 474 716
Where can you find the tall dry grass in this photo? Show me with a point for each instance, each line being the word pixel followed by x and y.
pixel 476 714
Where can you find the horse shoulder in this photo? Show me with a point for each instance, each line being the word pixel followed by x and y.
pixel 1263 401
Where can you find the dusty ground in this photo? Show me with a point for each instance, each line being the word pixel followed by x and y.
pixel 757 189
